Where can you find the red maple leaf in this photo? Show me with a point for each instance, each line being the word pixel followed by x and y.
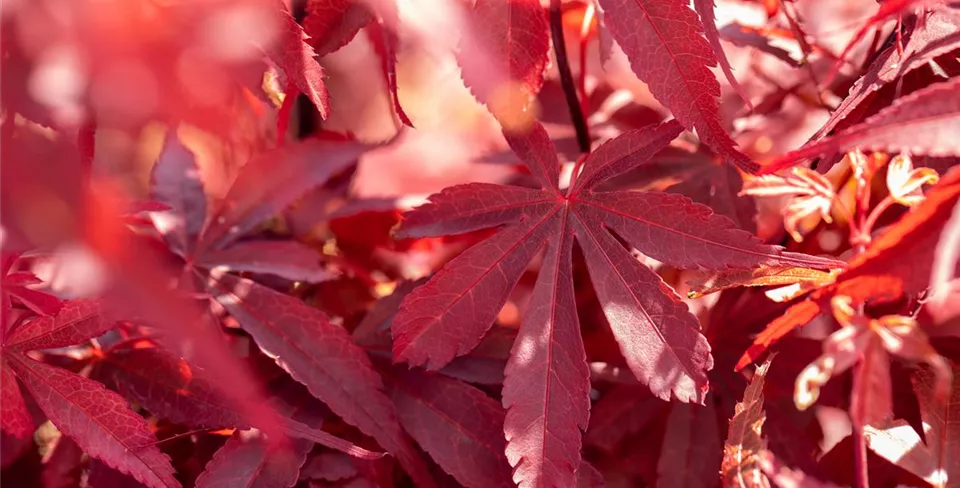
pixel 546 378
pixel 664 41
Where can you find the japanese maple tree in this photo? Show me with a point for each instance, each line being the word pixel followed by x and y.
pixel 533 243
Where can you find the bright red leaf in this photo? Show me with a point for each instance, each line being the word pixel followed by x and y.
pixel 331 24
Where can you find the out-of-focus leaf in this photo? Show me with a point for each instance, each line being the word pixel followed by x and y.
pixel 176 183
pixel 923 122
pixel 286 259
pixel 168 387
pixel 272 180
pixel 503 54
pixel 247 459
pixel 622 411
pixel 331 24
pixel 692 451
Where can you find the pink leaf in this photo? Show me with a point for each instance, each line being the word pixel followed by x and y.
pixel 705 9
pixel 248 460
pixel 665 44
pixel 332 24
pixel 323 357
pixel 459 425
pixel 286 259
pixel 925 122
pixel 98 420
pixel 273 180
pixel 506 42
pixel 176 182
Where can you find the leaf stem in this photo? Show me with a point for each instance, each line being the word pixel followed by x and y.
pixel 566 78
pixel 871 221
pixel 861 476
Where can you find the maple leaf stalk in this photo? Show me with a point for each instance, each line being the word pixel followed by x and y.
pixel 566 77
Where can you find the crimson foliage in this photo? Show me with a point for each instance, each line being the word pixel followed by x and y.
pixel 480 243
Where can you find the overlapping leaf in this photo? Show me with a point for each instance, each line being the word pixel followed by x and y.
pixel 664 41
pixel 249 460
pixel 546 380
pixel 459 425
pixel 924 122
pixel 323 357
pixel 169 388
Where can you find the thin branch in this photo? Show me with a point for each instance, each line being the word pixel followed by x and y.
pixel 566 78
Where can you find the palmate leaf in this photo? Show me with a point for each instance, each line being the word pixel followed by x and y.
pixel 296 58
pixel 547 379
pixel 15 419
pixel 78 321
pixel 745 444
pixel 332 24
pixel 664 41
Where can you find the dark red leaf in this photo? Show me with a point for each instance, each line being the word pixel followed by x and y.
pixel 923 122
pixel 871 400
pixel 457 424
pixel 665 44
pixel 937 34
pixel 286 259
pixel 622 411
pixel 98 420
pixel 168 387
pixel 249 460
pixel 691 452
pixel 546 378
pixel 323 357
pixel 331 24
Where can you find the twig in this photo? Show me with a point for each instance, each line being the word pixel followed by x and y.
pixel 566 78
